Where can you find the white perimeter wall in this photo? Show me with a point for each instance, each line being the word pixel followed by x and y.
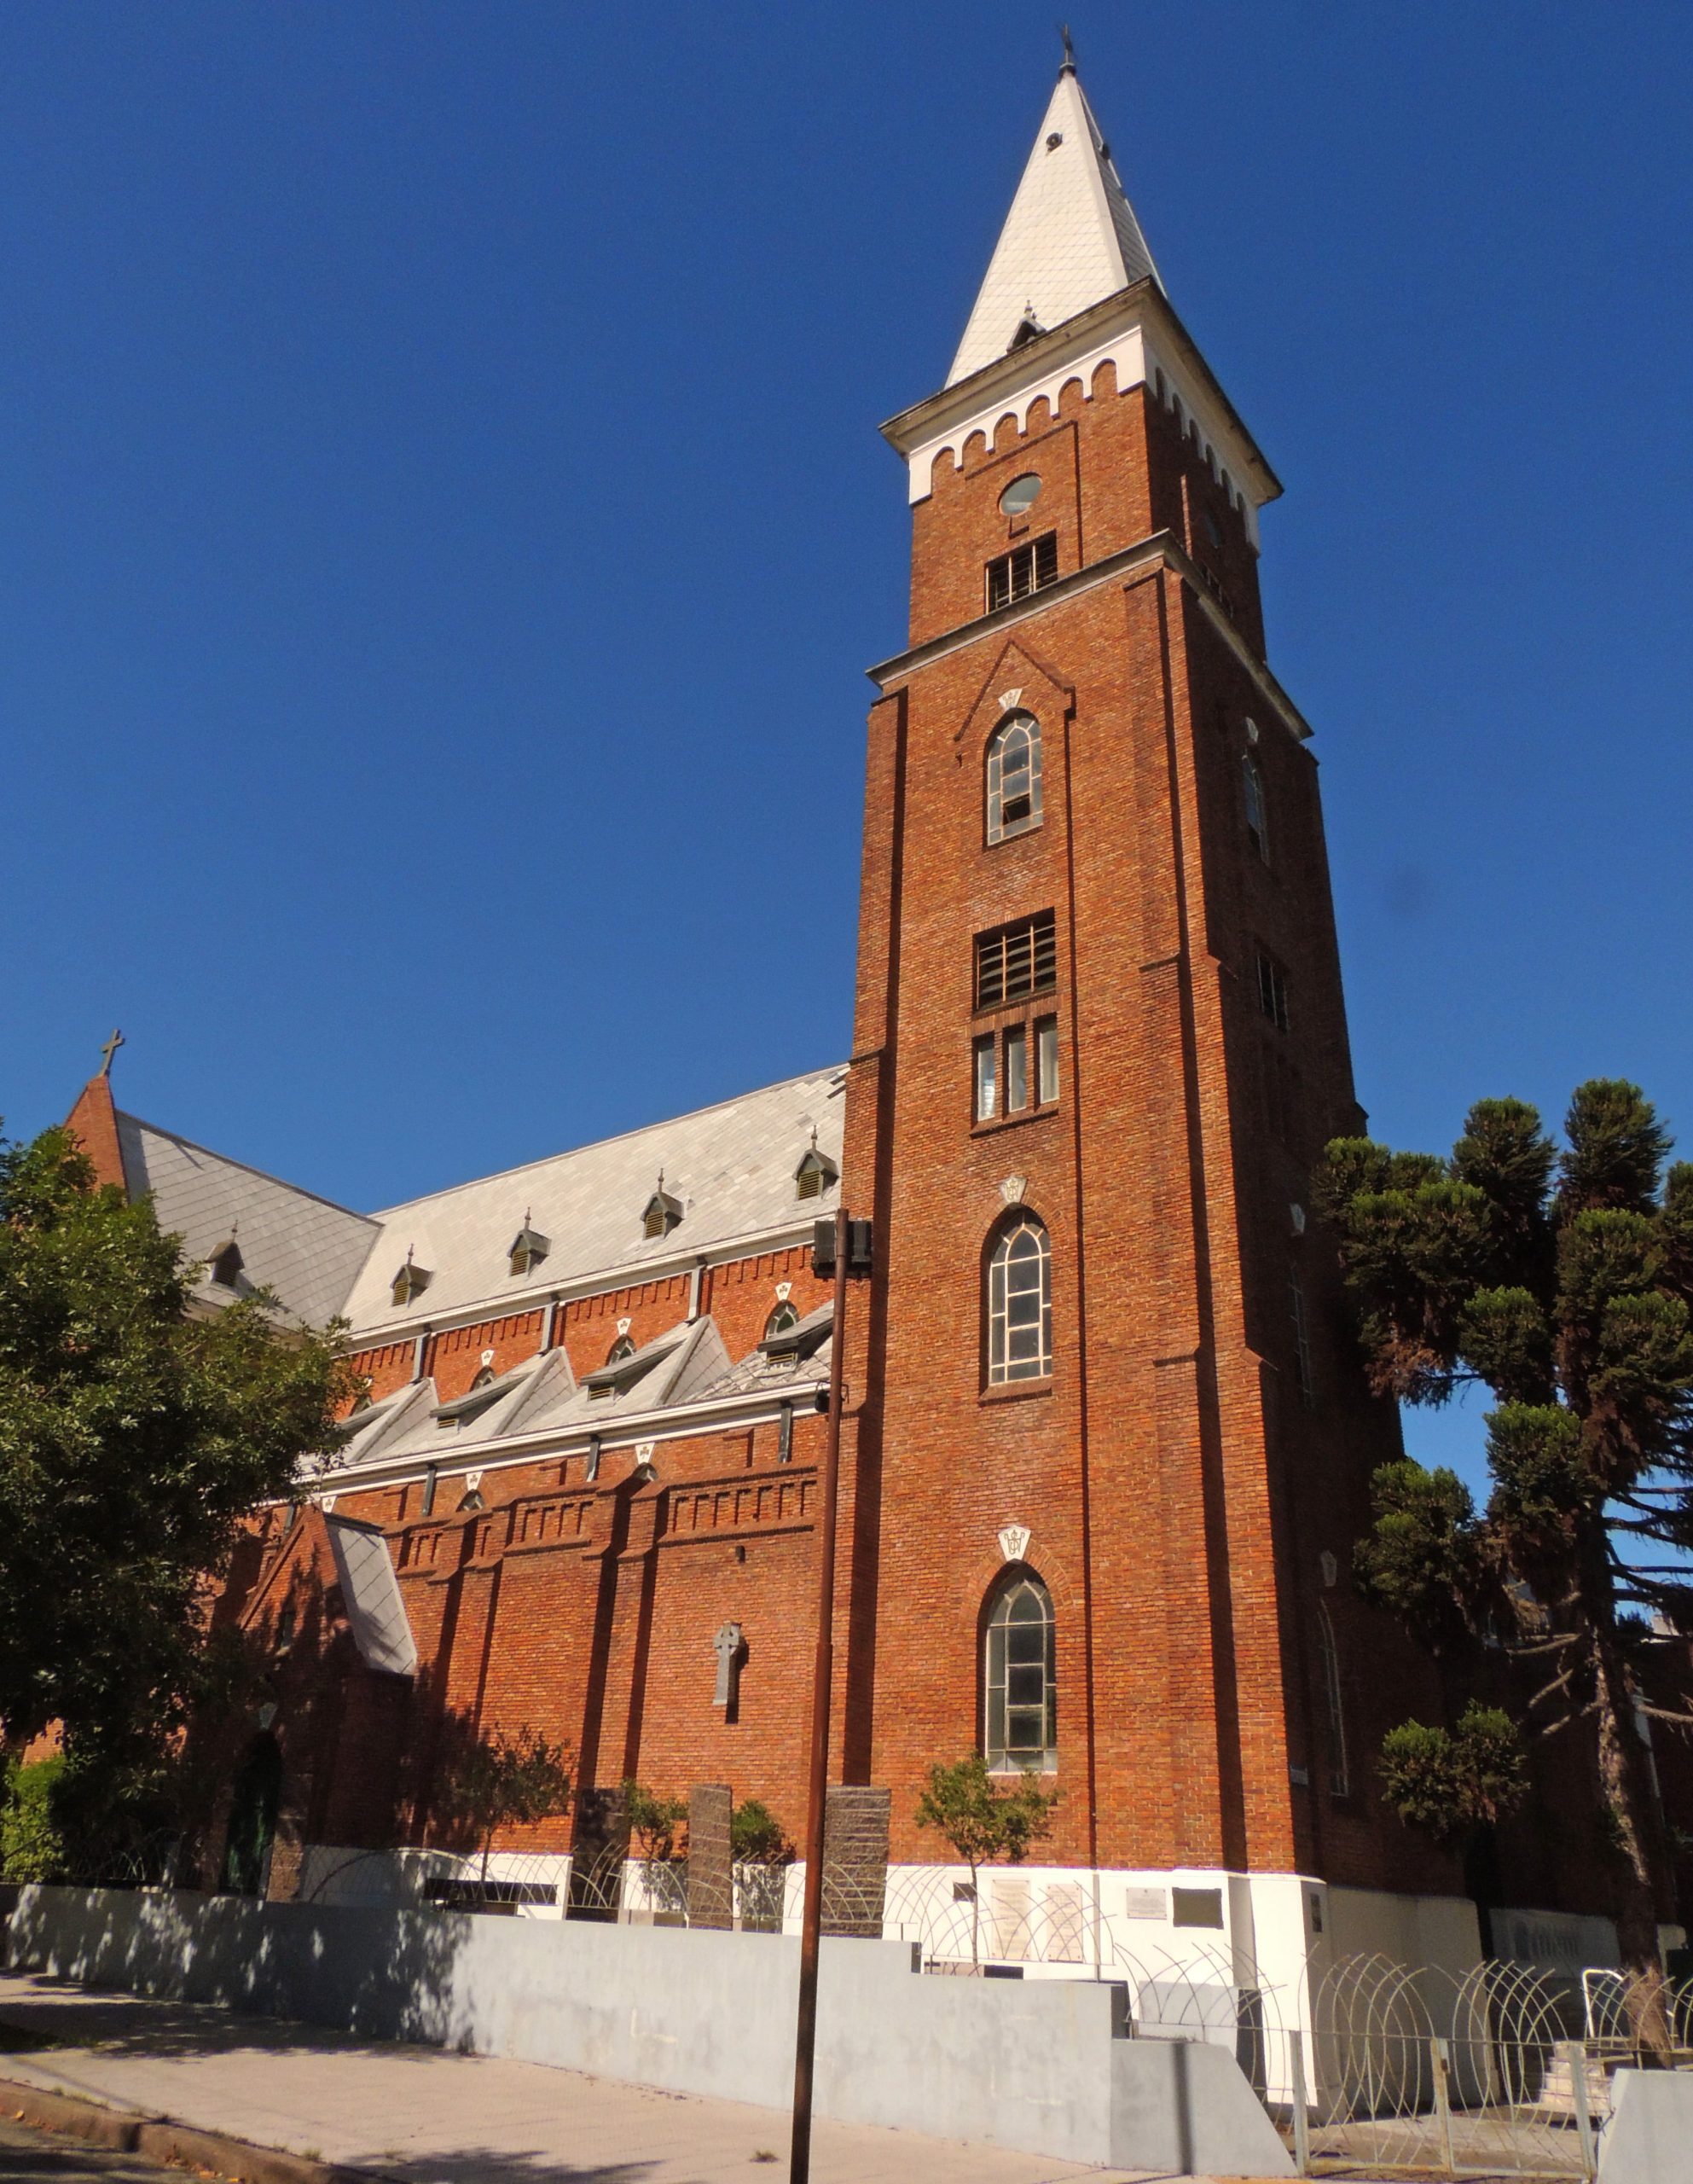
pixel 1042 2065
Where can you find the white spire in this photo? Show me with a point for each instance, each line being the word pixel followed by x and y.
pixel 1069 240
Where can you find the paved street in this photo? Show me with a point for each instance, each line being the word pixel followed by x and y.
pixel 432 2118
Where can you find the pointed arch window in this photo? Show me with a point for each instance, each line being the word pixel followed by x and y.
pixel 1020 1682
pixel 1340 1771
pixel 1013 777
pixel 782 1320
pixel 1020 1303
pixel 1257 815
pixel 621 1349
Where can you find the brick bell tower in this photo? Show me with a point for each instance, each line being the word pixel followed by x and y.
pixel 1110 1449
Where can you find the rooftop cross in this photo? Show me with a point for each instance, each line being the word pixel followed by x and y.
pixel 109 1050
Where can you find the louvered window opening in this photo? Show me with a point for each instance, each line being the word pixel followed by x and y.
pixel 1017 960
pixel 1024 569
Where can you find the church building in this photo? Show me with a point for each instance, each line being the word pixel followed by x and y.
pixel 1106 1445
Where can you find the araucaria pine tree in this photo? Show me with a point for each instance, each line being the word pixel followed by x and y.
pixel 1562 1282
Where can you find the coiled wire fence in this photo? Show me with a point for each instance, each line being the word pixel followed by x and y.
pixel 1365 2065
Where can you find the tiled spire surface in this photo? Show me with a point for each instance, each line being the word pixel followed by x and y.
pixel 1069 240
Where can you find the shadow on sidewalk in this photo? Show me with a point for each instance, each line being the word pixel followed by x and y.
pixel 56 2014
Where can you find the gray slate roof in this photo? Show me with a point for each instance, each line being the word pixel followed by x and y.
pixel 304 1248
pixel 730 1167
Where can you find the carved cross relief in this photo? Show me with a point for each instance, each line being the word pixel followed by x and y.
pixel 726 1645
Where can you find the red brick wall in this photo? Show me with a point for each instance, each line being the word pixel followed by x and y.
pixel 94 1123
pixel 1179 1498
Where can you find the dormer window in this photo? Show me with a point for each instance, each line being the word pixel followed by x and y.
pixel 662 1211
pixel 485 1378
pixel 789 1341
pixel 411 1281
pixel 598 1387
pixel 816 1174
pixel 529 1248
pixel 224 1266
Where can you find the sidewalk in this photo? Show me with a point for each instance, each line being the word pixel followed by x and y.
pixel 429 2116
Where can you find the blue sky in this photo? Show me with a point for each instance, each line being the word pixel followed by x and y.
pixel 442 526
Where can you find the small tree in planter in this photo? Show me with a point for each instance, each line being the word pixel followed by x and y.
pixel 506 1779
pixel 984 1824
pixel 653 1823
pixel 762 1852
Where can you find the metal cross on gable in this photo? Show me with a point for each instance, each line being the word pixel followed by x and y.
pixel 109 1050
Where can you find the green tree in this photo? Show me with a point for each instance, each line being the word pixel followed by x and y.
pixel 652 1821
pixel 756 1837
pixel 505 1779
pixel 984 1823
pixel 1561 1282
pixel 135 1437
pixel 31 1842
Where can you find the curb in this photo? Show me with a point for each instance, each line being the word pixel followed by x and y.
pixel 158 2138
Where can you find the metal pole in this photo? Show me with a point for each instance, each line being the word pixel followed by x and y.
pixel 1575 2056
pixel 1437 2056
pixel 805 2039
pixel 1301 2118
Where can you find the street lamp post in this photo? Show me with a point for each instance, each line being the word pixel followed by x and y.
pixel 846 1235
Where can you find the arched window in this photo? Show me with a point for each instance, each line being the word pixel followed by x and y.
pixel 470 1501
pixel 1013 777
pixel 1020 1303
pixel 1257 818
pixel 621 1349
pixel 1340 1773
pixel 1020 1677
pixel 485 1378
pixel 785 1317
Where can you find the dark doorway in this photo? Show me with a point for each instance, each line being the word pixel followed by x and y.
pixel 252 1818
